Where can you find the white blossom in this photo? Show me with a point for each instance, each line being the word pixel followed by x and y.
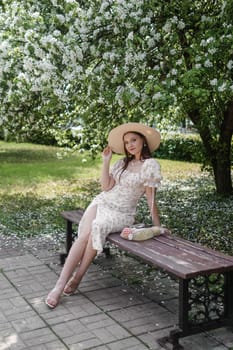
pixel 28 64
pixel 58 92
pixel 130 36
pixel 134 92
pixel 28 34
pixel 49 39
pixel 173 52
pixel 146 20
pixel 197 66
pixel 140 56
pixel 116 30
pixel 198 58
pixel 157 96
pixel 143 30
pixel 174 19
pixel 157 36
pixel 98 20
pixel 167 27
pixel 203 43
pixel 101 100
pixel 230 64
pixel 67 75
pixel 56 33
pixel 204 18
pixel 79 53
pixel 54 2
pixel 214 82
pixel 35 15
pixel 150 42
pixel 61 18
pixel 181 25
pixel 179 62
pixel 210 40
pixel 174 71
pixel 78 69
pixel 129 59
pixel 212 50
pixel 103 6
pixel 118 96
pixel 208 63
pixel 46 65
pixel 222 87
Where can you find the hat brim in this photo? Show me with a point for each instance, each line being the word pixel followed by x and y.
pixel 115 137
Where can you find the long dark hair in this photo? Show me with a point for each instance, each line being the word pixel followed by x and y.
pixel 145 153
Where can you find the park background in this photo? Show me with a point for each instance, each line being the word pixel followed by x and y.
pixel 70 71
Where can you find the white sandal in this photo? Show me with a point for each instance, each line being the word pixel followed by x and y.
pixel 72 290
pixel 52 302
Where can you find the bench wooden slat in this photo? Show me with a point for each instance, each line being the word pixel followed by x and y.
pixel 170 253
pixel 198 256
pixel 184 244
pixel 73 216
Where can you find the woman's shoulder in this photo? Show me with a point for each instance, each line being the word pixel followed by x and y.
pixel 120 162
pixel 151 174
pixel 117 165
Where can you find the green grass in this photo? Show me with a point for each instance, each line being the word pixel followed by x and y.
pixel 26 166
pixel 36 184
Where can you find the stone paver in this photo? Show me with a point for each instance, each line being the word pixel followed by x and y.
pixel 103 315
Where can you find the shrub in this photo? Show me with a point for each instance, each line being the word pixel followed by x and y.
pixel 181 147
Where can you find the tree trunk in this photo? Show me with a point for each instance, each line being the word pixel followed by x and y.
pixel 222 174
pixel 222 164
pixel 223 181
pixel 218 154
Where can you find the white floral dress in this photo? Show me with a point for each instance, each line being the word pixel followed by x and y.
pixel 116 208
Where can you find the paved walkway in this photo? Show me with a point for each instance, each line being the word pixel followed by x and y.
pixel 103 315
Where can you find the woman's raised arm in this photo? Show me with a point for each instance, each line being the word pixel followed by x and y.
pixel 106 180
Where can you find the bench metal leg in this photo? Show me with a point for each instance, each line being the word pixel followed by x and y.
pixel 69 236
pixel 171 342
pixel 184 305
pixel 229 297
pixel 107 252
pixel 205 303
pixel 69 241
pixel 63 257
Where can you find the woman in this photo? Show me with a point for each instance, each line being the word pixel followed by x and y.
pixel 115 207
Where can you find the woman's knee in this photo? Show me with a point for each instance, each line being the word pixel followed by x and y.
pixel 85 224
pixel 83 238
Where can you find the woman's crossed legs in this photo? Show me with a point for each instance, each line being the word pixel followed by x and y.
pixel 82 254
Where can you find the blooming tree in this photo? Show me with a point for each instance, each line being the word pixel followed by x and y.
pixel 98 63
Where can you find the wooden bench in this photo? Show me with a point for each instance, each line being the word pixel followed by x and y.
pixel 205 278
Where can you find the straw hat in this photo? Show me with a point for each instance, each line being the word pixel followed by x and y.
pixel 115 137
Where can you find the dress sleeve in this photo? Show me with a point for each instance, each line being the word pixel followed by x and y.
pixel 151 174
pixel 116 167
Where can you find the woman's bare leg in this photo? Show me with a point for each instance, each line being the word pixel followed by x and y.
pixel 87 259
pixel 73 259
